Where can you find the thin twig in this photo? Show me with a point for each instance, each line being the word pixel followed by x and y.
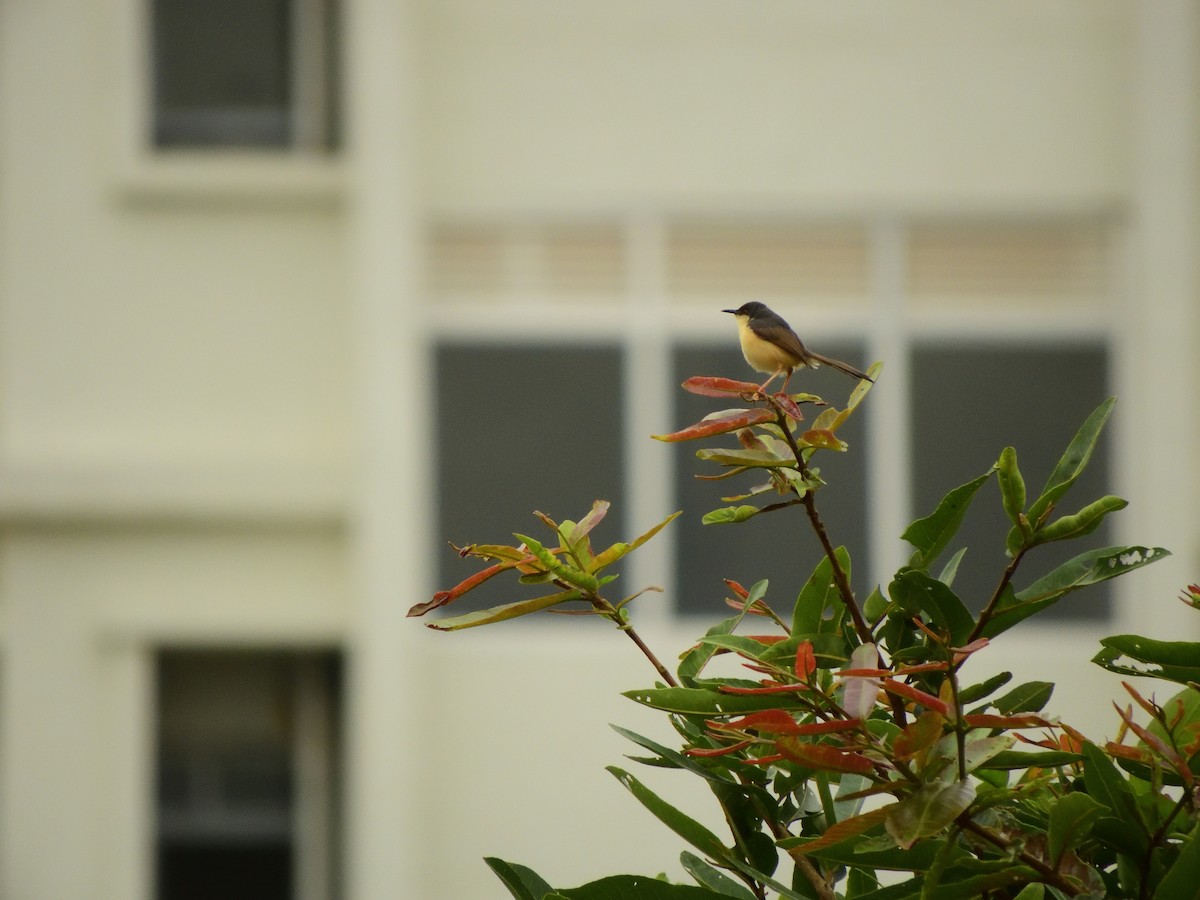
pixel 990 609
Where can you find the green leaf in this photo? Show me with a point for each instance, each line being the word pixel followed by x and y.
pixel 1032 892
pixel 635 887
pixel 951 568
pixel 729 515
pixel 1071 819
pixel 1031 696
pixel 1016 760
pixel 585 581
pixel 681 823
pixel 745 646
pixel 1082 523
pixel 978 753
pixel 620 549
pixel 1012 485
pixel 522 882
pixel 1131 654
pixel 918 858
pixel 1074 460
pixel 975 692
pixel 697 658
pixel 713 879
pixel 1086 569
pixel 931 534
pixel 505 611
pixel 705 702
pixel 818 594
pixel 677 759
pixel 927 811
pixel 750 458
pixel 913 588
pixel 1105 784
pixel 1181 879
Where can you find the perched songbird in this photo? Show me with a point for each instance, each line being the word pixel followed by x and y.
pixel 770 345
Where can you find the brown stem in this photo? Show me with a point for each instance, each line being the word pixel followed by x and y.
pixel 1049 875
pixel 648 653
pixel 990 609
pixel 810 506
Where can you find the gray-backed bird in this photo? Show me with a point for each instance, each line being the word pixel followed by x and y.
pixel 770 345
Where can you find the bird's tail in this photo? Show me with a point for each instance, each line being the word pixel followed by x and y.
pixel 841 366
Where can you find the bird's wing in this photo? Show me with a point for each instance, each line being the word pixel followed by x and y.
pixel 781 335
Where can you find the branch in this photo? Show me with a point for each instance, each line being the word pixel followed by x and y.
pixel 810 505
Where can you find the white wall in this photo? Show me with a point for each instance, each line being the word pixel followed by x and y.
pixel 926 104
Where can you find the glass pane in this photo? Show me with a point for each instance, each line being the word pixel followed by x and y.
pixel 780 545
pixel 244 73
pixel 245 742
pixel 523 428
pixel 968 403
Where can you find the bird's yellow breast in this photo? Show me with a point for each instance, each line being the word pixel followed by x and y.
pixel 762 355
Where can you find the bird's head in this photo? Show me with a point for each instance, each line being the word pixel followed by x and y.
pixel 750 310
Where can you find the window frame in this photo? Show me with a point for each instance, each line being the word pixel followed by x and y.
pixel 143 173
pixel 647 324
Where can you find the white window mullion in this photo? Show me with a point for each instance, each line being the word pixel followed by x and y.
pixel 889 456
pixel 649 468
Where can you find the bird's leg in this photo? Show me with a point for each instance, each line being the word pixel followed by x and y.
pixel 787 378
pixel 762 388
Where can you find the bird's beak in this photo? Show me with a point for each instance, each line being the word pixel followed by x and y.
pixel 730 311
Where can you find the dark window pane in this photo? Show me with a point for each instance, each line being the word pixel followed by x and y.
pixel 241 735
pixel 523 428
pixel 968 403
pixel 243 73
pixel 780 545
pixel 206 870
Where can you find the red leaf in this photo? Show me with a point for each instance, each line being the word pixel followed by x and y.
pixel 765 760
pixel 806 660
pixel 737 588
pixel 441 598
pixel 787 406
pixel 717 751
pixel 908 692
pixel 765 689
pixel 823 757
pixel 768 721
pixel 720 425
pixel 710 386
pixel 776 721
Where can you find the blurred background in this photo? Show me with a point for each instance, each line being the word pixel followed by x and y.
pixel 293 292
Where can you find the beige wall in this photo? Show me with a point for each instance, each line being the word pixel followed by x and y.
pixel 187 364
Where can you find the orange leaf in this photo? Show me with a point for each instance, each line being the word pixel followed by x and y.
pixel 806 660
pixel 720 425
pixel 711 386
pixel 843 831
pixel 823 757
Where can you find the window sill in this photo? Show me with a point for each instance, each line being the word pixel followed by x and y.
pixel 233 178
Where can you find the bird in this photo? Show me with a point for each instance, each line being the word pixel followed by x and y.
pixel 770 345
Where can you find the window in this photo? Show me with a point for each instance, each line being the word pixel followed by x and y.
pixel 247 775
pixel 523 427
pixel 244 74
pixel 993 331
